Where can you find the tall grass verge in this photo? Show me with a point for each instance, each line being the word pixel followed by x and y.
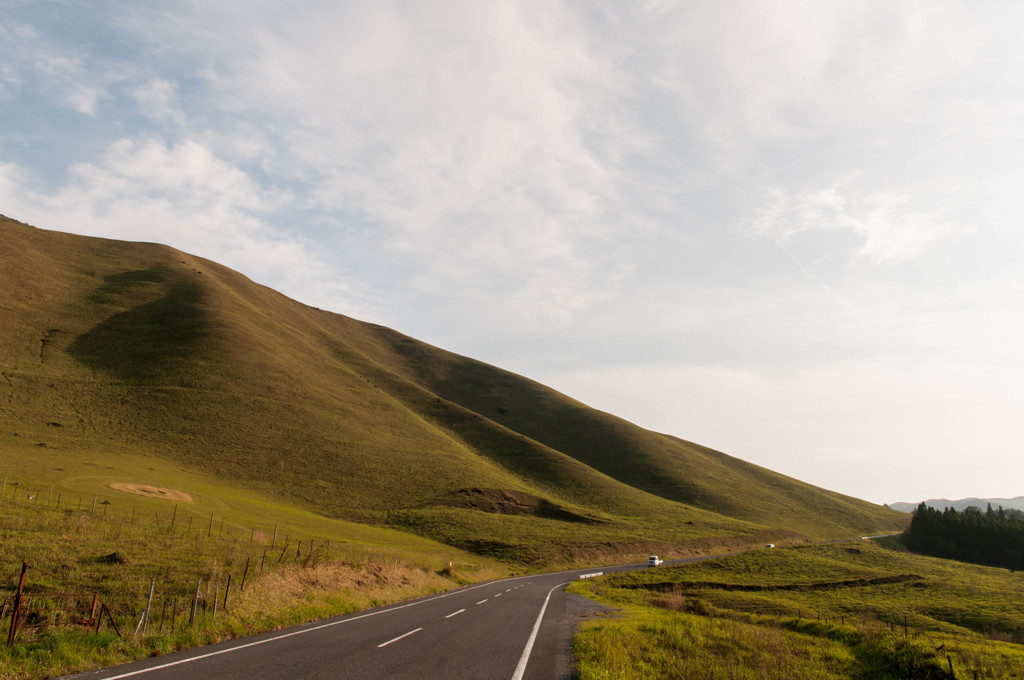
pixel 830 611
pixel 242 582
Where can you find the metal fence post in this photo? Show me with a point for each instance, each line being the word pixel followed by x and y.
pixel 195 603
pixel 149 603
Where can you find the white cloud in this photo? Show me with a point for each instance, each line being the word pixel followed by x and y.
pixel 889 232
pixel 156 98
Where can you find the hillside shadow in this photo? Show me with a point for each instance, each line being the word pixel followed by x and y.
pixel 148 341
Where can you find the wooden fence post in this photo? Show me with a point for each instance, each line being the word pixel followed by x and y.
pixel 17 607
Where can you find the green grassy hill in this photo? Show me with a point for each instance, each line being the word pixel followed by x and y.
pixel 143 350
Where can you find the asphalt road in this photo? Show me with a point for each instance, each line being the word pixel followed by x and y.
pixel 513 629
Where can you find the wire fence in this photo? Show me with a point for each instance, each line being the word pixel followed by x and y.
pixel 207 561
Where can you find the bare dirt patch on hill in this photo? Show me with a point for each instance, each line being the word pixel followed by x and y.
pixel 507 502
pixel 153 492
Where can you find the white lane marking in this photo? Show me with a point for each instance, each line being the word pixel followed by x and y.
pixel 385 644
pixel 509 590
pixel 498 595
pixel 455 613
pixel 287 635
pixel 525 658
pixel 482 601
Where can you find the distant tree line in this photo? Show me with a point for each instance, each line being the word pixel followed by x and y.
pixel 993 537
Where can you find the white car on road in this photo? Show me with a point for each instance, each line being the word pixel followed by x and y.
pixel 653 561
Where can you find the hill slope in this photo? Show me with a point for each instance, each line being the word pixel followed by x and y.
pixel 146 349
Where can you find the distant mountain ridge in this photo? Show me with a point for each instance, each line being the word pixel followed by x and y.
pixel 959 505
pixel 143 349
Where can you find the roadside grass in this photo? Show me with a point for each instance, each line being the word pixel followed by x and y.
pixel 854 610
pixel 657 644
pixel 287 596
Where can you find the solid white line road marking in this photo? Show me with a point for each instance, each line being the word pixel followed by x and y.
pixel 482 601
pixel 385 644
pixel 525 658
pixel 455 613
pixel 293 633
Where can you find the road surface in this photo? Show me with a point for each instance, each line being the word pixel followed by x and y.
pixel 512 629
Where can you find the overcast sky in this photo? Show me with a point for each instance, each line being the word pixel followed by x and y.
pixel 787 230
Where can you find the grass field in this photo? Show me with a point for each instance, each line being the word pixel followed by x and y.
pixel 850 610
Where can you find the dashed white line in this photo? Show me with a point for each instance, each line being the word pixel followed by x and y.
pixel 455 613
pixel 385 644
pixel 498 595
pixel 482 601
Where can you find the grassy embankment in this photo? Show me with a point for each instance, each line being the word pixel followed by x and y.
pixel 125 542
pixel 855 610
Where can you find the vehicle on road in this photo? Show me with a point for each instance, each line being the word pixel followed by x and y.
pixel 653 561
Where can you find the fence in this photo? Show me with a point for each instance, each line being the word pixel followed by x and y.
pixel 34 613
pixel 210 561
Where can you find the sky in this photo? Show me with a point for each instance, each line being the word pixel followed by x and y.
pixel 785 230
